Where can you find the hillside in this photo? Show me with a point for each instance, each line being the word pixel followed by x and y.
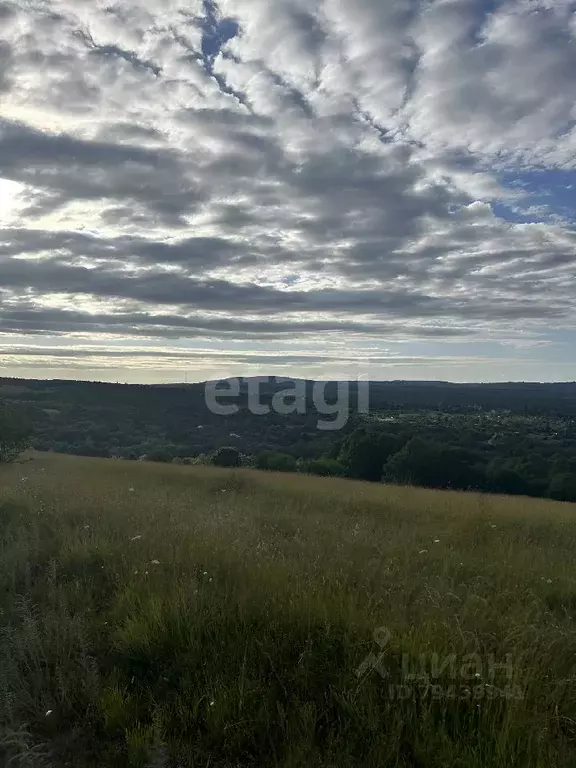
pixel 99 419
pixel 496 438
pixel 156 615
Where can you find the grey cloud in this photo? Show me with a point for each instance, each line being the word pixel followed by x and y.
pixel 195 254
pixel 129 56
pixel 7 10
pixel 181 355
pixel 159 288
pixel 34 320
pixel 6 61
pixel 68 168
pixel 130 133
pixel 499 81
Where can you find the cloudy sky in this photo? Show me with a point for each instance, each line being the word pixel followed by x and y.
pixel 321 188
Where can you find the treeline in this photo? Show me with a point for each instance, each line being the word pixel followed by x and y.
pixel 379 456
pixel 509 438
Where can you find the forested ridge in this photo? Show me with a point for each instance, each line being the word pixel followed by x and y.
pixel 513 438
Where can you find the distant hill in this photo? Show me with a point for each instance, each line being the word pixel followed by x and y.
pixel 104 419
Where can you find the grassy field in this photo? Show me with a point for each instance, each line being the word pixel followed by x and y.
pixel 154 615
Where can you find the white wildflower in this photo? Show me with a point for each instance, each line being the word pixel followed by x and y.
pixel 436 541
pixel 155 562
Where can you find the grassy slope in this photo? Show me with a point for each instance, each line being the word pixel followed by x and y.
pixel 240 645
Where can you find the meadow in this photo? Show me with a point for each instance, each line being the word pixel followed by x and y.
pixel 157 615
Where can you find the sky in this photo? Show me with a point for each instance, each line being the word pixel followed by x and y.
pixel 196 189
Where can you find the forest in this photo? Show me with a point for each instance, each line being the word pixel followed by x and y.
pixel 511 438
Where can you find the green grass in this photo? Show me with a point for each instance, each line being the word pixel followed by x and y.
pixel 178 616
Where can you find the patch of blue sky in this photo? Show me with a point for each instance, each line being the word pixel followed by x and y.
pixel 542 195
pixel 216 32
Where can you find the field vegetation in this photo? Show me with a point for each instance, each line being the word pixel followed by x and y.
pixel 160 615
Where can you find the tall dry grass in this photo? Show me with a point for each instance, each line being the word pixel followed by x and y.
pixel 154 615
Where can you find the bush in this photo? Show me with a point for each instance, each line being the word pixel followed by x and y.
pixel 226 457
pixel 323 467
pixel 15 433
pixel 275 461
pixel 160 454
pixel 563 487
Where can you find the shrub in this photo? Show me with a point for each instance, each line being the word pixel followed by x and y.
pixel 15 433
pixel 323 467
pixel 275 461
pixel 226 457
pixel 563 487
pixel 160 454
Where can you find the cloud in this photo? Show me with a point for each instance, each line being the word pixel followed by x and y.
pixel 63 168
pixel 6 59
pixel 496 80
pixel 258 170
pixel 80 359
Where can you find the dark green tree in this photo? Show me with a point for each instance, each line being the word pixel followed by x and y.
pixel 434 465
pixel 275 461
pixel 562 487
pixel 364 453
pixel 227 457
pixel 15 433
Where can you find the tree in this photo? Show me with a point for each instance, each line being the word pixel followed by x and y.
pixel 275 461
pixel 226 457
pixel 434 465
pixel 15 433
pixel 160 454
pixel 365 452
pixel 509 481
pixel 518 475
pixel 563 487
